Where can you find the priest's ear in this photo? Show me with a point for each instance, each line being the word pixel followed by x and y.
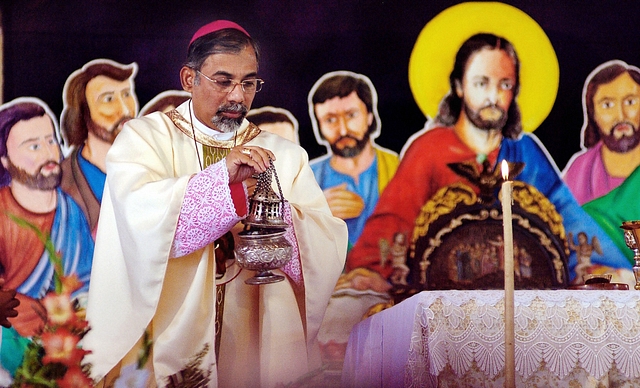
pixel 187 78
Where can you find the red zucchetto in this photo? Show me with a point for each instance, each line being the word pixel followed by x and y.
pixel 217 26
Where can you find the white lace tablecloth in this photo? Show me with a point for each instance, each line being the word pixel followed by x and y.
pixel 456 339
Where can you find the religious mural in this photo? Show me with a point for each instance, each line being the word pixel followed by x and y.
pixel 343 107
pixel 98 99
pixel 495 88
pixel 62 195
pixel 602 176
pixel 485 75
pixel 33 203
pixel 493 85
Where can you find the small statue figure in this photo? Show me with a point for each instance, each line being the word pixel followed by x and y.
pixel 398 252
pixel 383 244
pixel 583 250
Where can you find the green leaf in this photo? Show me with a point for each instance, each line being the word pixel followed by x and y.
pixel 54 257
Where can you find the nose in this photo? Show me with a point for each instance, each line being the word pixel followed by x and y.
pixel 342 126
pixel 236 94
pixel 619 112
pixel 126 111
pixel 53 151
pixel 492 94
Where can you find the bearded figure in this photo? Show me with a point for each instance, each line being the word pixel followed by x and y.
pixel 98 99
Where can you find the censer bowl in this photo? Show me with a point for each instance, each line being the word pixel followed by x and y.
pixel 262 251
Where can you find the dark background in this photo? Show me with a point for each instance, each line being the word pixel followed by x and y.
pixel 46 40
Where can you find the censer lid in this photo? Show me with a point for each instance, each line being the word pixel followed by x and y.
pixel 265 205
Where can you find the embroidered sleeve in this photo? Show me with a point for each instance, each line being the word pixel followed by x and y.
pixel 207 210
pixel 293 268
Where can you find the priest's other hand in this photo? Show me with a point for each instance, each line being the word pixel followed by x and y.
pixel 244 161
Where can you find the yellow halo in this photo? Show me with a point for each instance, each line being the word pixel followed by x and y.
pixel 434 53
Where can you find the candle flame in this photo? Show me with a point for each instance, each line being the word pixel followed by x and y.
pixel 505 170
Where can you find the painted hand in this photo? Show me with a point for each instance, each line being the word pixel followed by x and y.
pixel 343 203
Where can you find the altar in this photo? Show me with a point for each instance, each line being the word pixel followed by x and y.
pixel 563 338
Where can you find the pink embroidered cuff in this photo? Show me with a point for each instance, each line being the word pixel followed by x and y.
pixel 293 268
pixel 207 210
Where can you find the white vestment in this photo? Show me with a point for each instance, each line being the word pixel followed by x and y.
pixel 269 333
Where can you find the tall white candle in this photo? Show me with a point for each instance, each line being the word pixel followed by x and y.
pixel 509 335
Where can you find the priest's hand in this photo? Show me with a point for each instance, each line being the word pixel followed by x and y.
pixel 244 161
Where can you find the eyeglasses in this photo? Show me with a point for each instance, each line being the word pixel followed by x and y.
pixel 226 85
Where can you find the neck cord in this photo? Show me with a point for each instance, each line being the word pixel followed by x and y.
pixel 193 131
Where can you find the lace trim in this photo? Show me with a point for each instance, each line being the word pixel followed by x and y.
pixel 207 210
pixel 293 268
pixel 565 330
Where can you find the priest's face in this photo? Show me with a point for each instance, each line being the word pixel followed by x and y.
pixel 33 154
pixel 487 88
pixel 111 103
pixel 617 113
pixel 345 123
pixel 220 109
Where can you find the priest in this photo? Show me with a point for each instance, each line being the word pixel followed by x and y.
pixel 177 185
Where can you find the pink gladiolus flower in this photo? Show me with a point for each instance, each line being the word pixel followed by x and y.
pixel 62 346
pixel 74 378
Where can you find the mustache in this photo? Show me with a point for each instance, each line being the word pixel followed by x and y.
pixel 121 122
pixel 491 106
pixel 37 180
pixel 43 165
pixel 346 137
pixel 624 126
pixel 233 108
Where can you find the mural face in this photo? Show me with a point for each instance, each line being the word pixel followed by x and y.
pixel 33 154
pixel 111 103
pixel 487 88
pixel 345 123
pixel 617 113
pixel 539 78
pixel 106 87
